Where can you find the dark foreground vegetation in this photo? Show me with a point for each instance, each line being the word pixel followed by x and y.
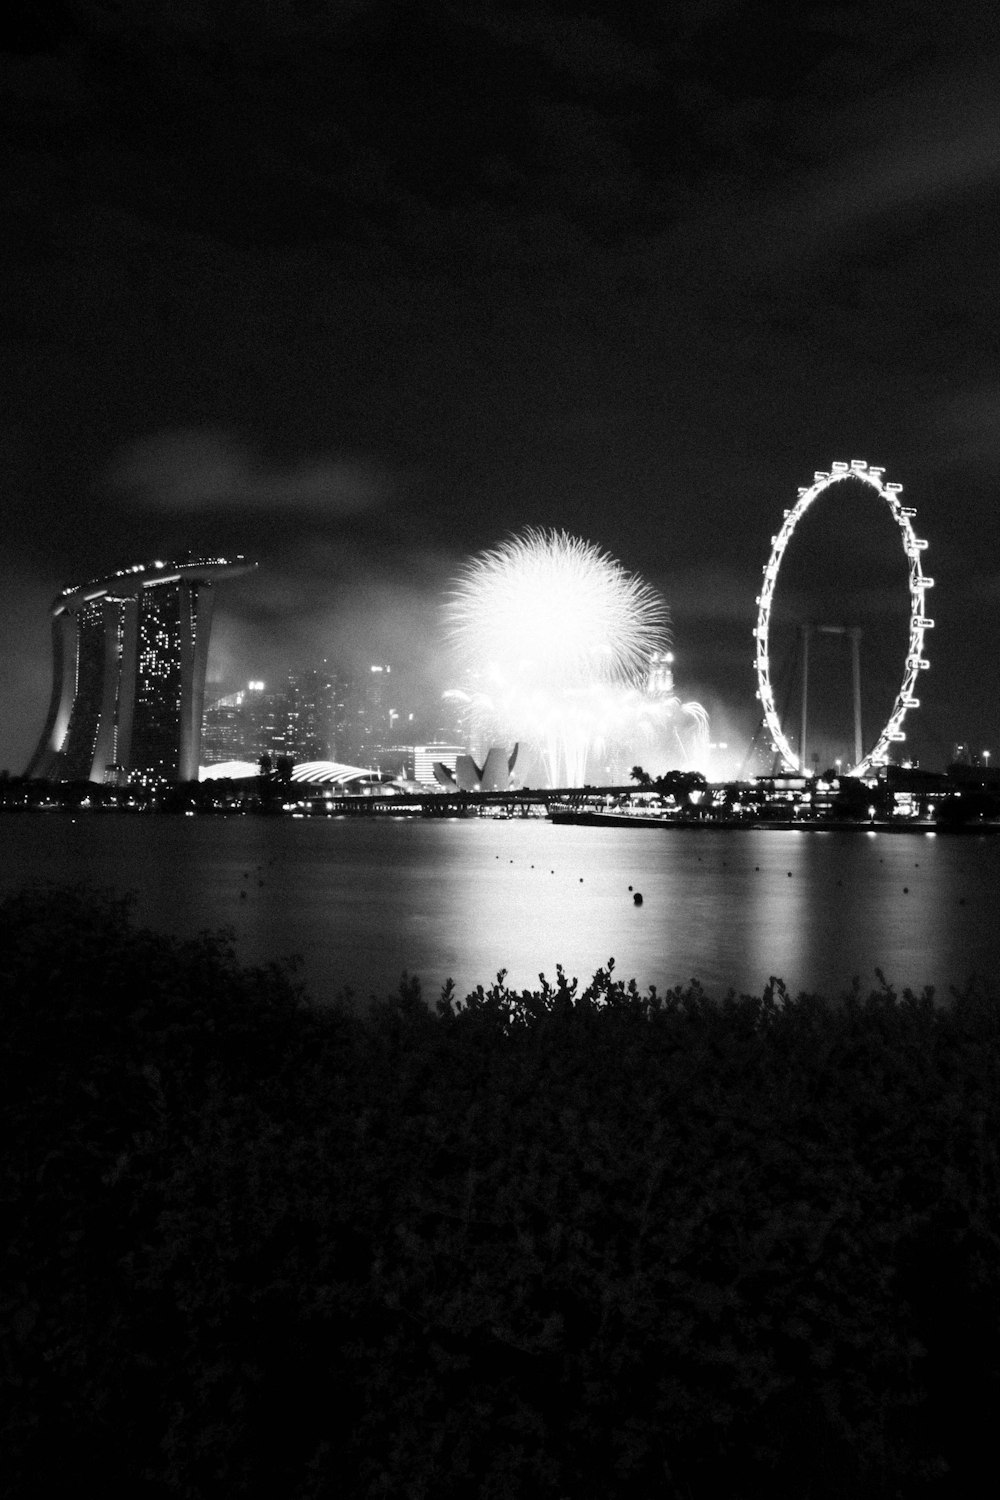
pixel 567 1244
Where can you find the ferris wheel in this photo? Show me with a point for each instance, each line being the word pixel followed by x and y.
pixel 916 662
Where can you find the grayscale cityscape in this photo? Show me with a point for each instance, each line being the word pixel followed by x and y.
pixel 500 749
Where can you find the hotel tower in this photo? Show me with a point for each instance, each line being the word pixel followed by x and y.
pixel 128 677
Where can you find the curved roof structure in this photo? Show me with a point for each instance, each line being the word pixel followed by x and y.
pixel 229 770
pixel 127 582
pixel 333 774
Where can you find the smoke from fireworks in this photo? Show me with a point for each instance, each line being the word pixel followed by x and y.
pixel 555 639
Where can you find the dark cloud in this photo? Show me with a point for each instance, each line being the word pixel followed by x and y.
pixel 970 422
pixel 25 663
pixel 199 470
pixel 583 48
pixel 926 142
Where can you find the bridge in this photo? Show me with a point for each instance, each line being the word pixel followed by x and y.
pixel 524 803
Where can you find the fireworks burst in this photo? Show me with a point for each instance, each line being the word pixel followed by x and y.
pixel 554 638
pixel 549 608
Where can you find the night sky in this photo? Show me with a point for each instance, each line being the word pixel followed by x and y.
pixel 357 287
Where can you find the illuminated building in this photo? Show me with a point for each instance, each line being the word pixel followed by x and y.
pixel 311 714
pixel 321 713
pixel 231 727
pixel 369 715
pixel 425 757
pixel 298 722
pixel 336 778
pixel 493 775
pixel 129 657
pixel 660 673
pixel 374 717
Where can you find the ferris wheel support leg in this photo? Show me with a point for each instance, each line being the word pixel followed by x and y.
pixel 855 634
pixel 806 632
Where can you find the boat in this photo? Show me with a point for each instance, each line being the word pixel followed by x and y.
pixel 591 819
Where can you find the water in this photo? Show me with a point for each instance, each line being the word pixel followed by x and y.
pixel 363 900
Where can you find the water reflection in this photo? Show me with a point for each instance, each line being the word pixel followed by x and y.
pixel 364 901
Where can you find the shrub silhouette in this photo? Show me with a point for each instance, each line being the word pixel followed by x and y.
pixel 574 1241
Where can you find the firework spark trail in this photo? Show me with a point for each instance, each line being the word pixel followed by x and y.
pixel 555 639
pixel 552 608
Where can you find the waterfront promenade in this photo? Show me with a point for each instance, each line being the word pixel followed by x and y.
pixel 901 802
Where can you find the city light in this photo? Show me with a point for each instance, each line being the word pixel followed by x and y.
pixel 555 640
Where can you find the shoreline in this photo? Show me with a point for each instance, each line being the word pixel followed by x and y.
pixel 796 825
pixel 581 818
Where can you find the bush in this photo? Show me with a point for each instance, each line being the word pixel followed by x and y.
pixel 568 1242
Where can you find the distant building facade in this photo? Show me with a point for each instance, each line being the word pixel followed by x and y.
pixel 300 720
pixel 426 757
pixel 312 714
pixel 128 680
pixel 245 725
pixel 359 716
pixel 371 717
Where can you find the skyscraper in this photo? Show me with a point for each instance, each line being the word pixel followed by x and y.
pixel 128 680
pixel 298 720
pixel 368 713
pixel 312 713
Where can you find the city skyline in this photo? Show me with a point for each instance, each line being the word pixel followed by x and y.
pixel 353 731
pixel 130 701
pixel 324 713
pixel 361 290
pixel 327 714
pixel 541 620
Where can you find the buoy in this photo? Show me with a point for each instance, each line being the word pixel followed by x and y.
pixel 637 898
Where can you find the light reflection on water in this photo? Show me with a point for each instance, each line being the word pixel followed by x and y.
pixel 362 901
